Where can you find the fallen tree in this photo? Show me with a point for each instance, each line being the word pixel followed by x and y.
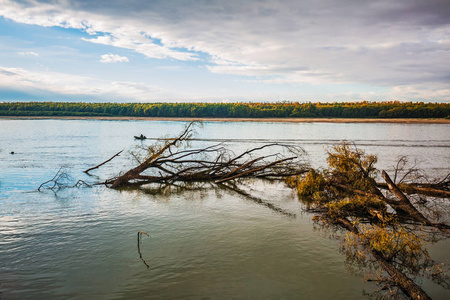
pixel 170 165
pixel 169 161
pixel 385 229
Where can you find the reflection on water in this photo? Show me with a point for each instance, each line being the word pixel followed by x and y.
pixel 207 243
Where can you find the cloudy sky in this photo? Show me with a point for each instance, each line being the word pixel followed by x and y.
pixel 216 50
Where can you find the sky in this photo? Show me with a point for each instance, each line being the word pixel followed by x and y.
pixel 224 51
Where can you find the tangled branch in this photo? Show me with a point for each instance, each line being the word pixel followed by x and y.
pixel 168 163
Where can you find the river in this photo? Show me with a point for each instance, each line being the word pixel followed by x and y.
pixel 81 243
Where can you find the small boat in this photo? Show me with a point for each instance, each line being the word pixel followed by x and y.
pixel 141 137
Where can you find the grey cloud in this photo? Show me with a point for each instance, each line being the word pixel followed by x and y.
pixel 7 73
pixel 327 12
pixel 430 12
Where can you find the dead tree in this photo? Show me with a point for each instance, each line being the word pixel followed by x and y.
pixel 167 163
pixel 135 172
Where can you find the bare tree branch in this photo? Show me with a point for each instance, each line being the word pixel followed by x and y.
pixel 106 161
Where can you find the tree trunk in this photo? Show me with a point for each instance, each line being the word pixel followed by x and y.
pixel 404 204
pixel 408 286
pixel 419 189
pixel 412 290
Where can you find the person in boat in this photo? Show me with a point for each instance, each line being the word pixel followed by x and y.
pixel 142 136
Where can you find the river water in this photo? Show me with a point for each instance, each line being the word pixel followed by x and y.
pixel 81 243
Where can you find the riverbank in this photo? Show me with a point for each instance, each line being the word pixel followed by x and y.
pixel 269 120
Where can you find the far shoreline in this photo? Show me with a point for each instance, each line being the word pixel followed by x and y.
pixel 267 120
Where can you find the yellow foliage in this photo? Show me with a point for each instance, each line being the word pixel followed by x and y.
pixel 308 186
pixel 352 166
pixel 395 244
pixel 356 205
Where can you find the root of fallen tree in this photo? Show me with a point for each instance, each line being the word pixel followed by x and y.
pixel 170 162
pixel 385 229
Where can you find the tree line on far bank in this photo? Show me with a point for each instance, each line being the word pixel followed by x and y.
pixel 364 109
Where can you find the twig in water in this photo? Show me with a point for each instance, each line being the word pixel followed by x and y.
pixel 62 180
pixel 139 237
pixel 59 180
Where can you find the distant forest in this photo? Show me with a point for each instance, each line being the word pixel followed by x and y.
pixel 392 109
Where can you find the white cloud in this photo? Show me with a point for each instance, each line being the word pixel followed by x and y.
pixel 134 40
pixel 23 80
pixel 28 53
pixel 123 36
pixel 113 58
pixel 66 84
pixel 421 92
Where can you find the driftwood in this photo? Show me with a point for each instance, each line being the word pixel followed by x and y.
pixel 167 163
